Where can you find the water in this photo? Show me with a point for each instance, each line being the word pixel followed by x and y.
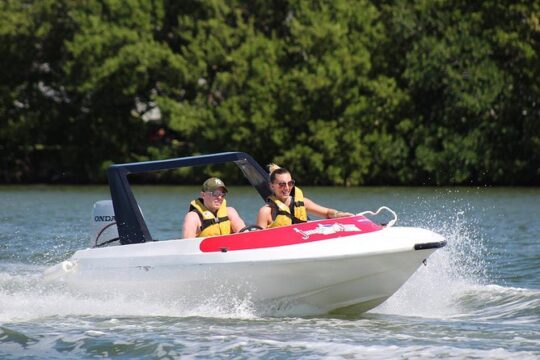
pixel 477 298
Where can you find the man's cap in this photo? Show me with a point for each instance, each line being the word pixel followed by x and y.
pixel 213 184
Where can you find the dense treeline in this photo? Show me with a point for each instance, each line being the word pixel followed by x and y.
pixel 341 92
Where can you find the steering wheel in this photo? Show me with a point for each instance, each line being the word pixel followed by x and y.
pixel 250 228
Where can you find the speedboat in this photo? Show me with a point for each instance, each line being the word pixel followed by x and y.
pixel 349 264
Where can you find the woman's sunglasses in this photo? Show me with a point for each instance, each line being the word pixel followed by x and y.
pixel 283 183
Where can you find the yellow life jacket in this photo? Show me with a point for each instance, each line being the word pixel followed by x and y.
pixel 283 215
pixel 212 224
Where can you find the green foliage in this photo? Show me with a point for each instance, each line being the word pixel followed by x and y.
pixel 463 67
pixel 341 93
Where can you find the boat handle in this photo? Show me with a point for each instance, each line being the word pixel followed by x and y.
pixel 390 223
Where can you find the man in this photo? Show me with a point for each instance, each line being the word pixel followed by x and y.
pixel 209 214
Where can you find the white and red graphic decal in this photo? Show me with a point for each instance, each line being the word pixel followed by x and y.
pixel 289 235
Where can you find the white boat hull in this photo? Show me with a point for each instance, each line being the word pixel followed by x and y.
pixel 354 272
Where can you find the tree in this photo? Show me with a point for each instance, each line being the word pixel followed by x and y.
pixel 459 67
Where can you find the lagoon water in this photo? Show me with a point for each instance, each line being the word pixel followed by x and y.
pixel 477 298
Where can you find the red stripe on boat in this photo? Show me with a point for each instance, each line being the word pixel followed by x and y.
pixel 289 235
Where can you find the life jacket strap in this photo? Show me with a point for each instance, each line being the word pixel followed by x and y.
pixel 209 222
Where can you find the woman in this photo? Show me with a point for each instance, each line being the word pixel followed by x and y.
pixel 288 205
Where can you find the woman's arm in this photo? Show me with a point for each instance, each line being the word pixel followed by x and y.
pixel 323 212
pixel 264 217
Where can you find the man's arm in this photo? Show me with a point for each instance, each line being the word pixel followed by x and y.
pixel 237 223
pixel 191 226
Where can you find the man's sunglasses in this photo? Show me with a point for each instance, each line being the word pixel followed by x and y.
pixel 217 193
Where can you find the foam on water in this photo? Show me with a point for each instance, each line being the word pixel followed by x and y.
pixel 454 284
pixel 451 271
pixel 25 296
pixel 503 304
pixel 284 348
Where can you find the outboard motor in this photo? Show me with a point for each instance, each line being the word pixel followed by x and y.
pixel 104 230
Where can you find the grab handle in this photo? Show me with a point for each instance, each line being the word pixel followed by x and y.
pixel 391 222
